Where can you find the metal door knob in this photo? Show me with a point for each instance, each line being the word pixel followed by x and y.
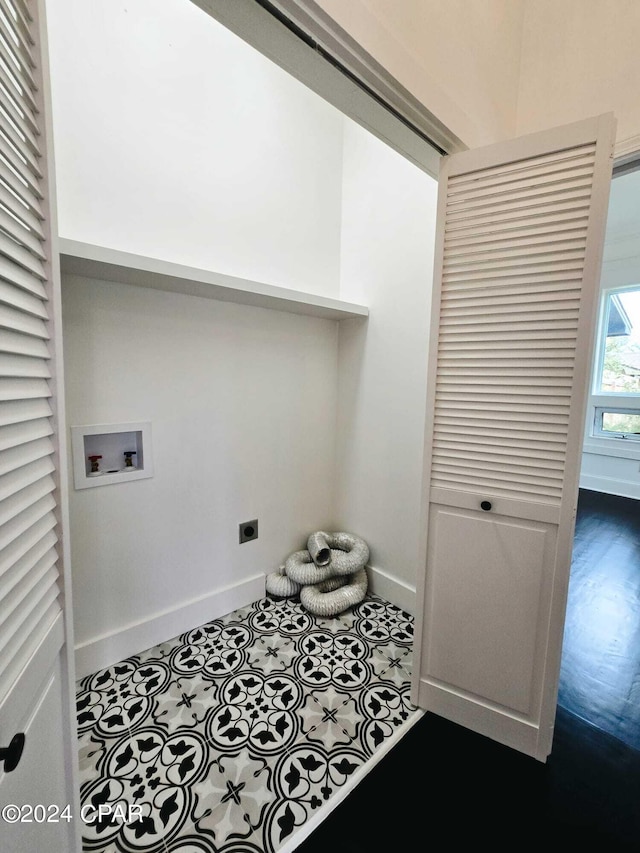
pixel 12 754
pixel 485 505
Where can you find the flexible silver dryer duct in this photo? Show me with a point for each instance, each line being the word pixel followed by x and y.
pixel 330 575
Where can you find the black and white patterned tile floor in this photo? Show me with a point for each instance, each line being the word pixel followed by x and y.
pixel 238 736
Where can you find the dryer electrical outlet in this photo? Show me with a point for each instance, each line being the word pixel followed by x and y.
pixel 248 531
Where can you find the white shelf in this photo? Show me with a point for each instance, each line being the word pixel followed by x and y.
pixel 105 264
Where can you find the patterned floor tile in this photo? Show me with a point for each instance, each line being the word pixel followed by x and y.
pixel 185 703
pixel 330 717
pixel 149 776
pixel 257 711
pixel 119 698
pixel 392 663
pixel 91 751
pixel 304 781
pixel 229 737
pixel 232 800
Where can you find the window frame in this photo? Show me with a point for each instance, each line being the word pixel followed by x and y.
pixel 597 440
pixel 600 432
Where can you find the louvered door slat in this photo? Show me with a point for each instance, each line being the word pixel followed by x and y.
pixel 21 389
pixel 533 235
pixel 506 360
pixel 515 416
pixel 477 337
pixel 22 256
pixel 21 411
pixel 24 454
pixel 474 402
pixel 17 18
pixel 31 200
pixel 515 490
pixel 452 448
pixel 541 176
pixel 23 119
pixel 534 272
pixel 37 594
pixel 483 247
pixel 21 9
pixel 40 586
pixel 21 299
pixel 22 279
pixel 26 562
pixel 24 164
pixel 15 229
pixel 19 65
pixel 22 366
pixel 12 31
pixel 542 326
pixel 540 204
pixel 24 432
pixel 484 251
pixel 540 282
pixel 17 321
pixel 544 216
pixel 17 344
pixel 509 295
pixel 516 225
pixel 40 532
pixel 19 478
pixel 480 477
pixel 22 500
pixel 560 187
pixel 12 207
pixel 22 643
pixel 493 366
pixel 12 530
pixel 479 308
pixel 537 446
pixel 520 167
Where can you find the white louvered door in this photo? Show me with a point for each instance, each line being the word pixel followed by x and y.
pixel 35 679
pixel 518 254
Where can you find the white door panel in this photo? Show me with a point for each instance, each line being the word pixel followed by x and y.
pixel 39 779
pixel 36 677
pixel 518 253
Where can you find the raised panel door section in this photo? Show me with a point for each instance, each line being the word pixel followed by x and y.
pixel 490 594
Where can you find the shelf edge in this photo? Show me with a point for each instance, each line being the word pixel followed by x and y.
pixel 105 264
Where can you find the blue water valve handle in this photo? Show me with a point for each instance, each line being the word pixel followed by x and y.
pixel 128 461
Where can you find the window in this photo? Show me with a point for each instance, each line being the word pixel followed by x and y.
pixel 616 423
pixel 615 409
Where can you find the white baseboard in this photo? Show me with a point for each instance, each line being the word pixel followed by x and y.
pixel 117 645
pixel 623 488
pixel 390 588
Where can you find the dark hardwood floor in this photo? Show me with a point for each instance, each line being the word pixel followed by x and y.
pixel 446 783
pixel 600 675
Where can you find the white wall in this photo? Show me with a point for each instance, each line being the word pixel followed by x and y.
pixel 461 59
pixel 606 466
pixel 242 403
pixel 157 154
pixel 174 139
pixel 388 216
pixel 580 58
